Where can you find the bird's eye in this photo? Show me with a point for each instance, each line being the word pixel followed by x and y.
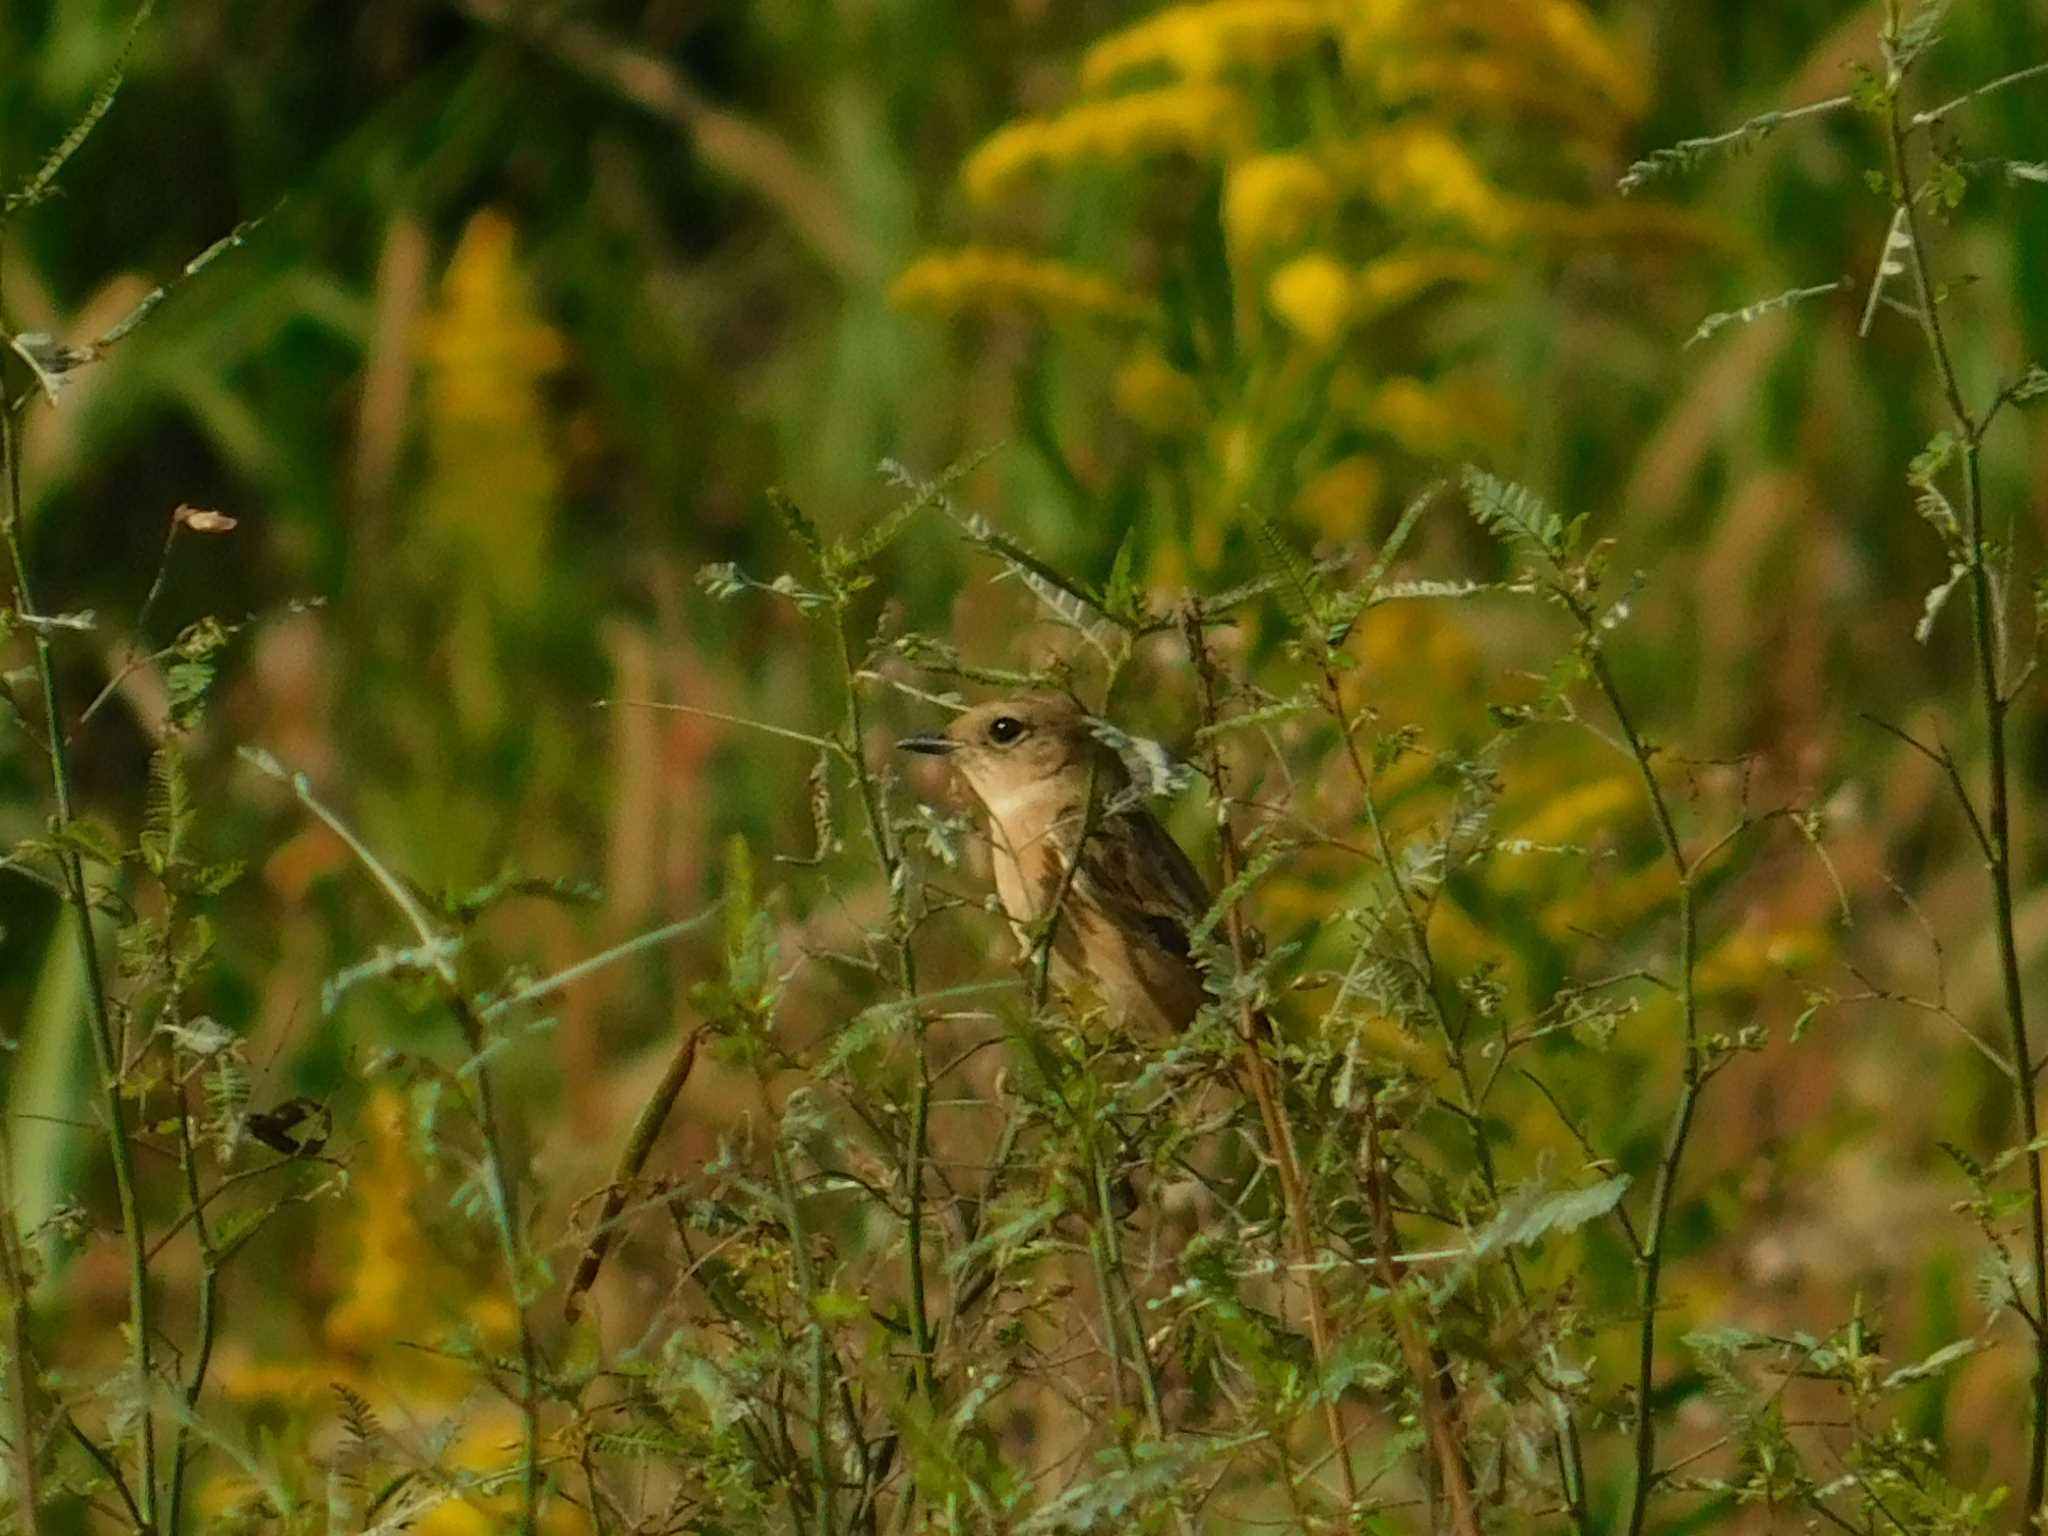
pixel 1005 729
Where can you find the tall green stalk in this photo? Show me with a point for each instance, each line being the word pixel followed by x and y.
pixel 1994 702
pixel 99 1016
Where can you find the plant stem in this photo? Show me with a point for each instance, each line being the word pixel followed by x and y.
pixel 807 1287
pixel 1692 1076
pixel 14 1294
pixel 1272 1109
pixel 1437 1424
pixel 209 1275
pixel 1997 822
pixel 141 1324
pixel 504 1200
pixel 1566 1444
pixel 505 1207
pixel 876 814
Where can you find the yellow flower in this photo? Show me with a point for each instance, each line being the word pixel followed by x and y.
pixel 1315 295
pixel 381 1301
pixel 1435 419
pixel 977 276
pixel 1158 396
pixel 491 1443
pixel 1339 502
pixel 1570 816
pixel 1578 42
pixel 1416 170
pixel 1394 280
pixel 1273 200
pixel 1199 42
pixel 1198 120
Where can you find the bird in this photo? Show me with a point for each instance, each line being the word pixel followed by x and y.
pixel 1126 912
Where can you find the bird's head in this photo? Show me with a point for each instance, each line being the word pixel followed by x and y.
pixel 1014 751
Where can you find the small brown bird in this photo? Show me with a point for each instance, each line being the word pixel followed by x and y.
pixel 1123 920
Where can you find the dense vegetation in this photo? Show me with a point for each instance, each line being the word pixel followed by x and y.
pixel 495 1039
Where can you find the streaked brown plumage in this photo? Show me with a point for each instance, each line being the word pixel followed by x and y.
pixel 1122 929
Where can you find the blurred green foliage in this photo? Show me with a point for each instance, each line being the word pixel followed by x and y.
pixel 543 299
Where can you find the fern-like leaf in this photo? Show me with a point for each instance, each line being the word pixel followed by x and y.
pixel 1303 597
pixel 1518 516
pixel 166 811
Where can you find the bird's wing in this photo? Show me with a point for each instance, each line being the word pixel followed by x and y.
pixel 1138 874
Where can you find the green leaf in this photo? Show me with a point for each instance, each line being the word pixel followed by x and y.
pixel 1534 1212
pixel 1937 599
pixel 1295 582
pixel 1122 596
pixel 1135 1483
pixel 166 811
pixel 1347 608
pixel 1517 516
pixel 89 839
pixel 1069 599
pixel 189 683
pixel 1934 1364
pixel 925 495
pixel 569 892
pixel 2030 386
pixel 799 524
pixel 1752 312
pixel 1919 32
pixel 865 1032
pixel 44 181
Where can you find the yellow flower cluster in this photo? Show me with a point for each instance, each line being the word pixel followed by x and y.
pixel 1158 396
pixel 1319 298
pixel 1339 503
pixel 1274 200
pixel 1200 42
pixel 1437 419
pixel 1425 175
pixel 1201 120
pixel 987 277
pixel 1395 44
pixel 1394 280
pixel 1316 296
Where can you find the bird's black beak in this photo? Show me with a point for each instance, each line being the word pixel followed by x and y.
pixel 935 746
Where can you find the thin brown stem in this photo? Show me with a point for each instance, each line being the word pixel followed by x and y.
pixel 1251 1033
pixel 1450 1455
pixel 1415 929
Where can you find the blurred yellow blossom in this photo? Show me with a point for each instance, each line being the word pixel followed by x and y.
pixel 491 1443
pixel 382 1299
pixel 1244 88
pixel 1158 396
pixel 1339 503
pixel 978 276
pixel 1423 173
pixel 1487 80
pixel 1394 280
pixel 485 352
pixel 1582 46
pixel 1272 200
pixel 1556 44
pixel 1746 959
pixel 1315 295
pixel 1437 418
pixel 1199 42
pixel 1574 814
pixel 1199 120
